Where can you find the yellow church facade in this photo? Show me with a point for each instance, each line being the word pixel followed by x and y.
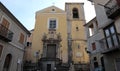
pixel 42 26
pixel 59 37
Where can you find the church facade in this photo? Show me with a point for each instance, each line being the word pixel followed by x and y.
pixel 59 38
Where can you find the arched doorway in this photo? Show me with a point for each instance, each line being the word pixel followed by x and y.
pixel 102 63
pixel 7 62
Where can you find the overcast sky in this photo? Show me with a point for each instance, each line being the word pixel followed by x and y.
pixel 24 10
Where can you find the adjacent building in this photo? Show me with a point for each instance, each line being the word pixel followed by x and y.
pixel 59 38
pixel 103 36
pixel 27 58
pixel 94 45
pixel 28 49
pixel 13 37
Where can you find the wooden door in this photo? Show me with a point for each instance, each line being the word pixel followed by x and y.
pixel 51 50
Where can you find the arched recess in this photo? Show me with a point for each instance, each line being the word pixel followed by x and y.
pixel 75 13
pixel 7 62
pixel 102 63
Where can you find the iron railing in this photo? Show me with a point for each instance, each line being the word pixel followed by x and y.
pixel 5 33
pixel 112 9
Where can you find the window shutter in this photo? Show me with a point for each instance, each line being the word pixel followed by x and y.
pixel 5 23
pixel 21 40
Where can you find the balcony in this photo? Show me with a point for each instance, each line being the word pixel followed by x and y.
pixel 105 49
pixel 5 34
pixel 112 8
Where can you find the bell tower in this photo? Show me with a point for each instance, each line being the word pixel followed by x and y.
pixel 76 34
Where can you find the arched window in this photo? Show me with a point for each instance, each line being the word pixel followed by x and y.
pixel 95 62
pixel 7 62
pixel 75 13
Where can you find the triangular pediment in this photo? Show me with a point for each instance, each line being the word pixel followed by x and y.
pixel 51 9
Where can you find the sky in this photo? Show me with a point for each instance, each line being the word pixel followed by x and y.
pixel 24 10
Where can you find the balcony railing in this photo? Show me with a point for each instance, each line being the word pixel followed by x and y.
pixel 105 49
pixel 112 9
pixel 5 34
